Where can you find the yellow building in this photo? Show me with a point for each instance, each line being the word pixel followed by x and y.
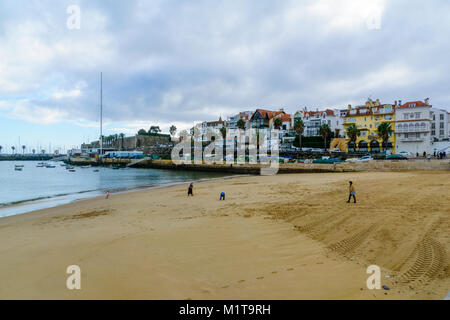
pixel 367 118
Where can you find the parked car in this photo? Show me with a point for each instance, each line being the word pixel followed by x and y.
pixel 396 157
pixel 365 159
pixel 406 154
pixel 352 160
pixel 327 160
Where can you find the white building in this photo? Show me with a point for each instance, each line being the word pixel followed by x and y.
pixel 413 127
pixel 313 120
pixel 439 124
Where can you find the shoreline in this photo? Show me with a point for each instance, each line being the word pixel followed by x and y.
pixel 95 194
pixel 287 236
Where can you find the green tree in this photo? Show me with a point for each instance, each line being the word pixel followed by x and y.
pixel 1 149
pixel 142 132
pixel 241 124
pixel 277 123
pixel 122 136
pixel 353 132
pixel 173 130
pixel 23 149
pixel 223 132
pixel 325 132
pixel 13 149
pixel 384 132
pixel 154 129
pixel 299 127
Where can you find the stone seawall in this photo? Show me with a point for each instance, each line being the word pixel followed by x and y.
pixel 376 165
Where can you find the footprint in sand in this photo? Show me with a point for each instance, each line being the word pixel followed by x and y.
pixel 290 269
pixel 274 272
pixel 259 278
pixel 224 287
pixel 240 281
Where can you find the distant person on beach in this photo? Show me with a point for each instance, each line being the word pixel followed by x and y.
pixel 352 192
pixel 191 190
pixel 107 194
pixel 222 196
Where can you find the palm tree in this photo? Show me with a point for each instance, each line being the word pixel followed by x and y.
pixel 122 135
pixel 325 132
pixel 23 149
pixel 13 148
pixel 172 130
pixel 34 151
pixel 384 132
pixel 353 133
pixel 277 123
pixel 1 149
pixel 241 124
pixel 299 127
pixel 223 132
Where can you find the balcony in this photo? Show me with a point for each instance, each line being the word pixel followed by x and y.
pixel 412 139
pixel 413 130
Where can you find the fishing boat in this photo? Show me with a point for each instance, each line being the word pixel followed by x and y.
pixel 50 166
pixel 72 170
pixel 63 164
pixel 96 170
pixel 18 168
pixel 68 167
pixel 85 167
pixel 40 165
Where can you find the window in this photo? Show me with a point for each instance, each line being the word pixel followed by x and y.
pixel 387 109
pixel 417 135
pixel 441 117
pixel 412 105
pixel 441 125
pixel 405 116
pixel 441 132
pixel 417 115
pixel 362 110
pixel 433 125
pixel 353 111
pixel 406 135
pixel 387 117
pixel 433 132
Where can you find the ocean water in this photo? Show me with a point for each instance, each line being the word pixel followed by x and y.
pixel 36 188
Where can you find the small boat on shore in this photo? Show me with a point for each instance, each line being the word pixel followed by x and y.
pixel 71 170
pixel 40 165
pixel 18 168
pixel 50 166
pixel 96 170
pixel 69 167
pixel 86 167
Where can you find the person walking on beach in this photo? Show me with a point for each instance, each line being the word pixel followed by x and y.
pixel 352 192
pixel 191 190
pixel 107 194
pixel 222 196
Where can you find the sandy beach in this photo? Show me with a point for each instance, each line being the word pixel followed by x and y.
pixel 274 237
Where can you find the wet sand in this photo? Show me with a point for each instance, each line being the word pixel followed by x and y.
pixel 275 237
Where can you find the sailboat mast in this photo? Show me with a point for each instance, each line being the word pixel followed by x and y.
pixel 101 113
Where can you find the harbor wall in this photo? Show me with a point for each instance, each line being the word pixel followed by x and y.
pixel 375 165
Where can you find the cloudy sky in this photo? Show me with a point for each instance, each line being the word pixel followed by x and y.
pixel 179 62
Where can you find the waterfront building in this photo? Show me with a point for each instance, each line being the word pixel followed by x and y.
pixel 367 118
pixel 414 127
pixel 313 120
